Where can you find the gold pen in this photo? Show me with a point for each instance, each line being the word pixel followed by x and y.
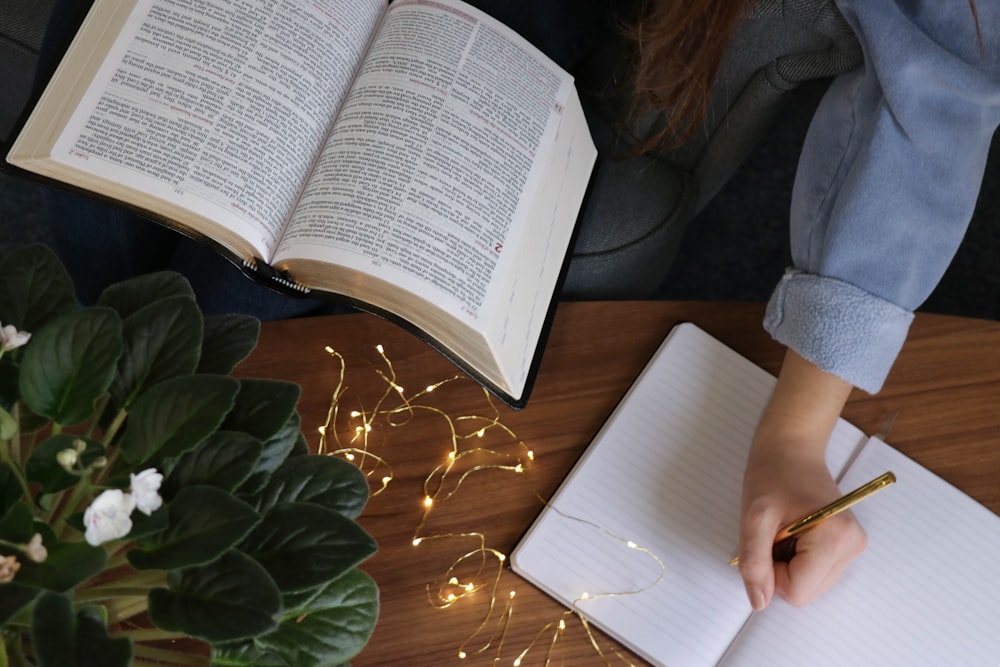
pixel 784 541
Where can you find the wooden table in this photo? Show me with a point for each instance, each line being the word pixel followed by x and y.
pixel 944 389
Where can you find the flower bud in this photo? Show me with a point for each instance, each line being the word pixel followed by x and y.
pixel 35 550
pixel 68 458
pixel 11 338
pixel 8 568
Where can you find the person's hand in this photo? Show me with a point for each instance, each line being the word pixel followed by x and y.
pixel 778 488
pixel 786 478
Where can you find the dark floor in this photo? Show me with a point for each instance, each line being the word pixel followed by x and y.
pixel 737 248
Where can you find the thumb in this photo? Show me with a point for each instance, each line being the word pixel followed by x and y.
pixel 756 563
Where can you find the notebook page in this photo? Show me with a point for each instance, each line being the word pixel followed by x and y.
pixel 925 593
pixel 665 472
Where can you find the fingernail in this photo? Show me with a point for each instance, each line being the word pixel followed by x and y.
pixel 756 596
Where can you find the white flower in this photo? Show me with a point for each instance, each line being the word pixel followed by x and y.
pixel 12 338
pixel 144 489
pixel 107 518
pixel 35 550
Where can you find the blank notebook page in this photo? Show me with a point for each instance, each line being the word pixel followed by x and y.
pixel 925 593
pixel 665 472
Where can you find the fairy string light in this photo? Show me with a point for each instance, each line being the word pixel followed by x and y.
pixel 480 568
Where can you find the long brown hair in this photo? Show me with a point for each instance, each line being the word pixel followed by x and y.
pixel 679 47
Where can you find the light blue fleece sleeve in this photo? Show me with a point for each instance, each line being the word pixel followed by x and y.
pixel 887 181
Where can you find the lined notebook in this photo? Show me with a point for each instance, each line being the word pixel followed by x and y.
pixel 665 473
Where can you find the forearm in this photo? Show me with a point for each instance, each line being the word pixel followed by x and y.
pixel 802 411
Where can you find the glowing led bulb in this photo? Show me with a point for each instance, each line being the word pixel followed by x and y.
pixel 451 597
pixel 501 557
pixel 481 432
pixel 322 430
pixel 562 624
pixel 355 413
pixel 328 349
pixel 512 594
pixel 585 596
pixel 531 455
pixel 416 541
pixel 349 456
pixel 631 545
pixel 519 468
pixel 428 501
pixel 386 479
pixel 453 581
pixel 430 388
pixel 451 454
pixel 469 587
pixel 461 655
pixel 379 348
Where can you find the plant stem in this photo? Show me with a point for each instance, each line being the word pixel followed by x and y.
pixel 6 455
pixel 103 403
pixel 108 592
pixel 119 613
pixel 149 635
pixel 151 653
pixel 66 508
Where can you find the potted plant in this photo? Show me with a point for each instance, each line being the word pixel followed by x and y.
pixel 154 509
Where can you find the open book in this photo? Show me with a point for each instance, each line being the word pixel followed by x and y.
pixel 666 472
pixel 420 160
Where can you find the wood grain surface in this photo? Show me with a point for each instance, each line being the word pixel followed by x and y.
pixel 944 392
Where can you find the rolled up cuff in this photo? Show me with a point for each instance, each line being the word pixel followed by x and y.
pixel 842 329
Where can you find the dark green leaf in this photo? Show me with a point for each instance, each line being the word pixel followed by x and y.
pixel 175 416
pixel 301 447
pixel 14 598
pixel 162 341
pixel 44 468
pixel 228 599
pixel 243 654
pixel 321 480
pixel 133 294
pixel 17 524
pixel 203 522
pixel 144 525
pixel 68 564
pixel 9 393
pixel 60 640
pixel 224 461
pixel 263 407
pixel 52 631
pixel 303 545
pixel 70 363
pixel 229 339
pixel 332 628
pixel 35 288
pixel 276 449
pixel 94 648
pixel 10 488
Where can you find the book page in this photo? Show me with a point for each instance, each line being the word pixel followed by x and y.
pixel 220 107
pixel 666 473
pixel 433 164
pixel 925 593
